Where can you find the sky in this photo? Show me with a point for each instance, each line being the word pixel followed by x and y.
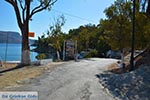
pixel 76 13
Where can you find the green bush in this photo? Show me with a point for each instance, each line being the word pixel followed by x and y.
pixel 92 53
pixel 41 56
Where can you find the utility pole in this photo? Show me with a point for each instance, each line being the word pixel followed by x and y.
pixel 6 47
pixel 132 41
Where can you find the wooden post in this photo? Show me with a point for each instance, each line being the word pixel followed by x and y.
pixel 64 49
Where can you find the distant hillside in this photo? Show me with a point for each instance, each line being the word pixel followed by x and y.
pixel 11 37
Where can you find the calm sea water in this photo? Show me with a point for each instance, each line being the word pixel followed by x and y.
pixel 12 52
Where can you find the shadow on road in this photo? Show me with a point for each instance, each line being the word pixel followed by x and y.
pixel 11 69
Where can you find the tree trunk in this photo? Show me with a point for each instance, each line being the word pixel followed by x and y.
pixel 58 55
pixel 25 57
pixel 148 9
pixel 122 55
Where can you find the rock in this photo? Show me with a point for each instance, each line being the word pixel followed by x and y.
pixel 25 81
pixel 1 74
pixel 134 85
pixel 19 82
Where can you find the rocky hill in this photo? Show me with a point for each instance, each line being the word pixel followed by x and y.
pixel 11 37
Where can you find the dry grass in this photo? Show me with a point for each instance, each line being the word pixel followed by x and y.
pixel 11 78
pixel 142 59
pixel 8 65
pixel 113 66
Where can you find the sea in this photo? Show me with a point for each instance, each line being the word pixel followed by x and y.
pixel 12 52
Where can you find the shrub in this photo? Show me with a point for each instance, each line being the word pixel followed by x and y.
pixel 92 53
pixel 41 56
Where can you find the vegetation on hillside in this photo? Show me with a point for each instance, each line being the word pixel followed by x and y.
pixel 114 32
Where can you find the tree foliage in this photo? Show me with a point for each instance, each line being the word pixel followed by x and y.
pixel 118 26
pixel 144 6
pixel 114 32
pixel 55 35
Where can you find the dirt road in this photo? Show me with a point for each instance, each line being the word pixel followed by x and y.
pixel 71 81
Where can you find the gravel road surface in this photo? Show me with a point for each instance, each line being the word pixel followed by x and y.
pixel 71 81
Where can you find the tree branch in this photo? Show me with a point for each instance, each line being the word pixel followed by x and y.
pixel 23 10
pixel 27 2
pixel 14 4
pixel 20 2
pixel 37 7
pixel 143 5
pixel 148 9
pixel 9 1
pixel 41 7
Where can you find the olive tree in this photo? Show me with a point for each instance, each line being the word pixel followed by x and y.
pixel 24 11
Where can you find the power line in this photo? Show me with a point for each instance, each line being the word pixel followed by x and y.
pixel 78 17
pixel 71 15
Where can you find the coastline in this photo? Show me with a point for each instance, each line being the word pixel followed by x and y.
pixel 12 52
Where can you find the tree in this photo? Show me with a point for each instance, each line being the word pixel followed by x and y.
pixel 148 9
pixel 117 26
pixel 145 6
pixel 85 35
pixel 56 35
pixel 24 12
pixel 142 32
pixel 42 45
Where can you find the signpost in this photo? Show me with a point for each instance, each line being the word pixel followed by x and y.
pixel 70 50
pixel 31 34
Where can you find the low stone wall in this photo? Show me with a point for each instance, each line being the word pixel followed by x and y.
pixel 42 62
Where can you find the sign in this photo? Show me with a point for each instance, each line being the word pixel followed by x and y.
pixel 31 34
pixel 69 50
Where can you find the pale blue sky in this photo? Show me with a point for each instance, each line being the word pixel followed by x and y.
pixel 76 12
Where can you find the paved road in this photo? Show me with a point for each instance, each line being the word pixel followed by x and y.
pixel 71 81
